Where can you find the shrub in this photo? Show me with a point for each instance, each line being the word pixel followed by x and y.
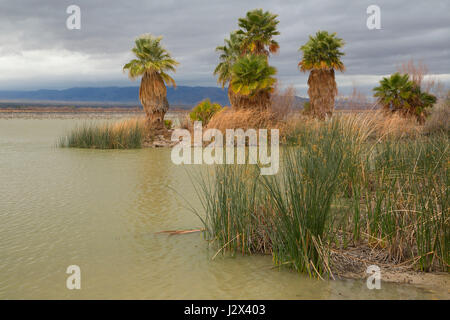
pixel 204 111
pixel 307 108
pixel 242 119
pixel 399 94
pixel 438 119
pixel 168 124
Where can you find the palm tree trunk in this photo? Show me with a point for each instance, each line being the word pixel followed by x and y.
pixel 153 96
pixel 234 98
pixel 322 92
pixel 259 101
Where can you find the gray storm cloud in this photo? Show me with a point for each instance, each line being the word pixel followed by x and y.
pixel 38 51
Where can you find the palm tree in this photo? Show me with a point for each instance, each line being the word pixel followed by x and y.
pixel 398 93
pixel 254 37
pixel 394 92
pixel 258 29
pixel 421 103
pixel 321 56
pixel 152 63
pixel 229 53
pixel 252 79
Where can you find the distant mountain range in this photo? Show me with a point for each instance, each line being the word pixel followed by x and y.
pixel 182 96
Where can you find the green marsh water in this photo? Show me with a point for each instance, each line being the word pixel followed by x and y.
pixel 102 209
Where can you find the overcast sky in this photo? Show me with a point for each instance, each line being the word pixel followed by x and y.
pixel 38 51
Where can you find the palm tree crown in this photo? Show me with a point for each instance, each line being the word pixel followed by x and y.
pixel 394 91
pixel 322 52
pixel 152 63
pixel 252 74
pixel 258 28
pixel 399 93
pixel 151 58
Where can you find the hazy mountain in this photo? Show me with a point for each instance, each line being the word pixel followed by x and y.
pixel 182 95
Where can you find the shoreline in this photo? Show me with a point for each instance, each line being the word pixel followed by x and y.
pixel 434 282
pixel 352 263
pixel 78 113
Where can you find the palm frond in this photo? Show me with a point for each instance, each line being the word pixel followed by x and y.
pixel 152 57
pixel 322 52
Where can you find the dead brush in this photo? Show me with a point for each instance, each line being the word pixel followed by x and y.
pixel 243 119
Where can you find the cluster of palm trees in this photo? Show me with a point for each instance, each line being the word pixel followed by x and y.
pixel 243 67
pixel 244 64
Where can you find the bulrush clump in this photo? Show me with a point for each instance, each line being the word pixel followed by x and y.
pixel 127 134
pixel 351 192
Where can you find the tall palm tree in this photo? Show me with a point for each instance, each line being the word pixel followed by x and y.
pixel 322 56
pixel 152 63
pixel 229 53
pixel 252 79
pixel 258 29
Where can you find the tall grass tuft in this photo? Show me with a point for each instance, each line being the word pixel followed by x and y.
pixel 301 200
pixel 231 198
pixel 127 134
pixel 408 212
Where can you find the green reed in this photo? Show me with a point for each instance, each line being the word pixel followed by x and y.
pixel 231 198
pixel 337 185
pixel 123 135
pixel 301 200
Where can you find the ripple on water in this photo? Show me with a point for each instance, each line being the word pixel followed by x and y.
pixel 101 209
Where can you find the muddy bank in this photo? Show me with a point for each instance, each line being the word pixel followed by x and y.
pixel 352 263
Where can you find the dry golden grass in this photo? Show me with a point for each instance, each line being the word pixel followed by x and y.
pixel 125 134
pixel 395 125
pixel 375 124
pixel 439 118
pixel 185 122
pixel 243 119
pixel 127 124
pixel 367 124
pixel 276 116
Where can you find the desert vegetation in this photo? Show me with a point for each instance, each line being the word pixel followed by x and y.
pixel 353 189
pixel 244 61
pixel 152 62
pixel 128 134
pixel 204 111
pixel 398 93
pixel 322 56
pixel 345 183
